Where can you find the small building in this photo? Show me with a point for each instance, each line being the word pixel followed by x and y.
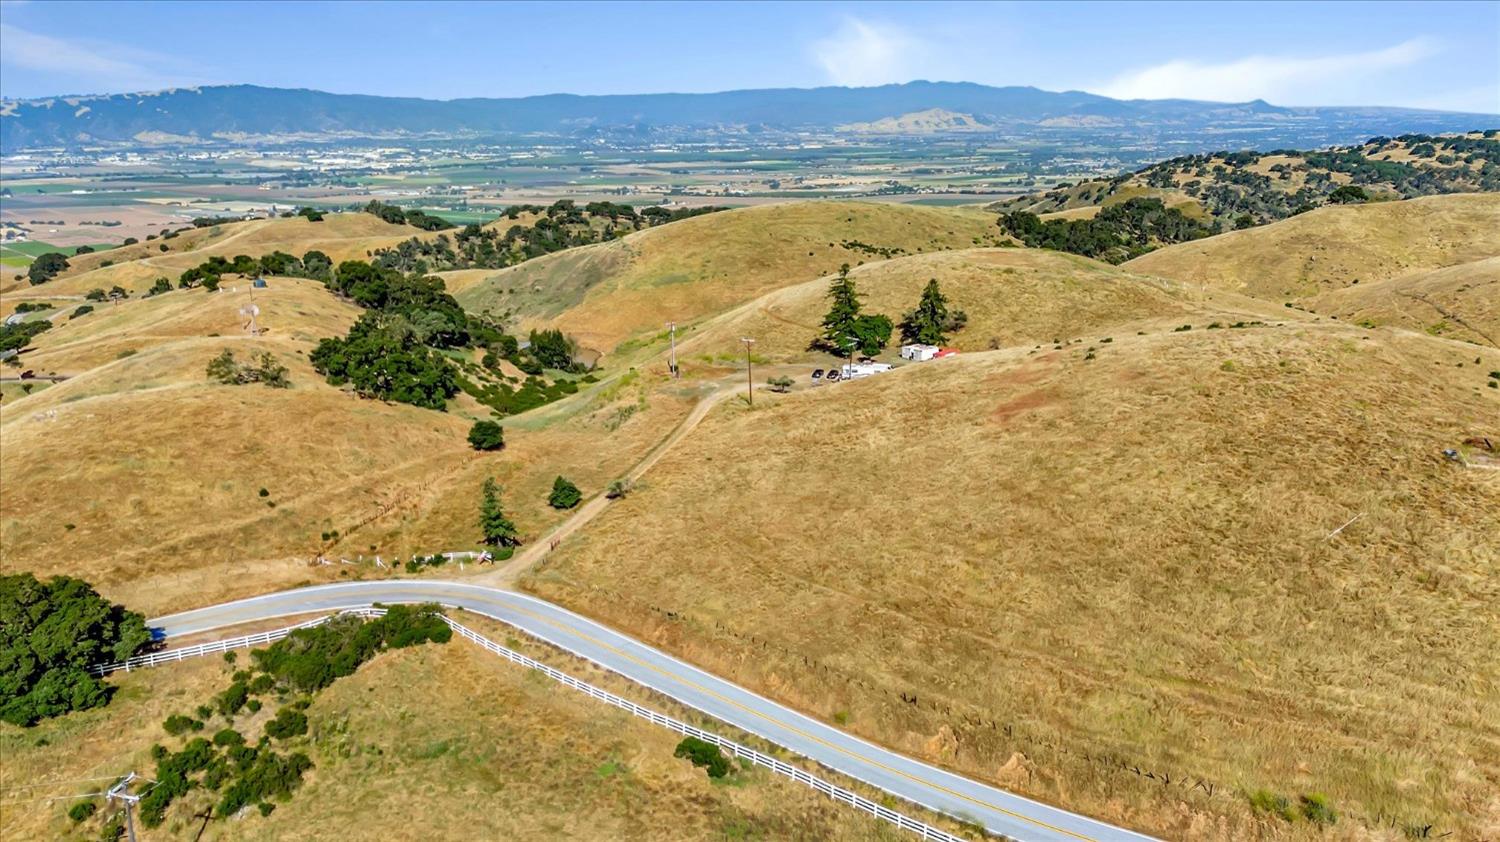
pixel 945 352
pixel 917 352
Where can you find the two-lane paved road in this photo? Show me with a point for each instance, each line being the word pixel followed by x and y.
pixel 999 811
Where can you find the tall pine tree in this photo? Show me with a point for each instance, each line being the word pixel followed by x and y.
pixel 929 320
pixel 839 325
pixel 498 529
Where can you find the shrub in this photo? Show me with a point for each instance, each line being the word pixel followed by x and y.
pixel 51 634
pixel 486 435
pixel 1265 801
pixel 82 310
pixel 780 384
pixel 617 489
pixel 229 737
pixel 1315 808
pixel 82 810
pixel 177 724
pixel 232 699
pixel 287 724
pixel 704 755
pixel 565 495
pixel 225 369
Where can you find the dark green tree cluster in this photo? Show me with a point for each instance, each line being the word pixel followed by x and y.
pixel 51 633
pixel 383 358
pixel 17 335
pixel 435 317
pixel 210 273
pixel 1118 233
pixel 310 214
pixel 310 659
pixel 931 320
pixel 45 267
pixel 845 329
pixel 401 216
pixel 553 349
pixel 561 225
pixel 1348 194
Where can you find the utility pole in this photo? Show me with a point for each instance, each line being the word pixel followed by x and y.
pixel 121 791
pixel 672 359
pixel 749 368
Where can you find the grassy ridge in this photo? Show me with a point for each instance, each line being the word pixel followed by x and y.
pixel 1060 573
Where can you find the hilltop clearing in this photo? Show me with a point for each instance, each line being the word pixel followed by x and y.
pixel 1336 247
pixel 1012 297
pixel 699 267
pixel 1251 188
pixel 1230 560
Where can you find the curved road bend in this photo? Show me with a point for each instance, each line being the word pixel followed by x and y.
pixel 999 811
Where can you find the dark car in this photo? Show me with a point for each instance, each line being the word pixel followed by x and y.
pixel 817 374
pixel 833 375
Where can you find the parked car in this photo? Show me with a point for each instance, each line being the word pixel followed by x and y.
pixel 817 374
pixel 833 375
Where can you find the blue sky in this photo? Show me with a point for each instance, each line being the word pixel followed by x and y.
pixel 1429 55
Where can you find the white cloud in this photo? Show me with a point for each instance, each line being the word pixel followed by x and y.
pixel 1284 80
pixel 93 65
pixel 863 53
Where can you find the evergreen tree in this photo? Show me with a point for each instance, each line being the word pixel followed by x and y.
pixel 498 529
pixel 927 322
pixel 843 313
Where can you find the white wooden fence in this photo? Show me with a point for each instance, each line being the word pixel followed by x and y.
pixel 832 790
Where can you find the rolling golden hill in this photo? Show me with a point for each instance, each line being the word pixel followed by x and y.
pixel 699 267
pixel 143 466
pixel 1336 247
pixel 1461 302
pixel 1234 560
pixel 1012 296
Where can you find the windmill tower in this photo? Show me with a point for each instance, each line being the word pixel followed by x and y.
pixel 250 311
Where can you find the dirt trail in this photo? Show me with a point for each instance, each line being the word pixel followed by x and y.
pixel 506 576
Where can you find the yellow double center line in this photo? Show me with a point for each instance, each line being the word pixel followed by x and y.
pixel 814 738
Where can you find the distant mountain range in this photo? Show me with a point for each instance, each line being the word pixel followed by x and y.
pixel 248 114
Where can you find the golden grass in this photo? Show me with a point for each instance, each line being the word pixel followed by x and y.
pixel 702 266
pixel 1459 302
pixel 1332 247
pixel 1087 571
pixel 435 742
pixel 1012 297
pixel 147 478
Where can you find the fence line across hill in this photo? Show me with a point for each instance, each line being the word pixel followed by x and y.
pixel 832 790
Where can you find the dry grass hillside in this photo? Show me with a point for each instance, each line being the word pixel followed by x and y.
pixel 1204 563
pixel 342 236
pixel 1460 302
pixel 503 755
pixel 1335 247
pixel 1275 185
pixel 702 266
pixel 144 475
pixel 1012 297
